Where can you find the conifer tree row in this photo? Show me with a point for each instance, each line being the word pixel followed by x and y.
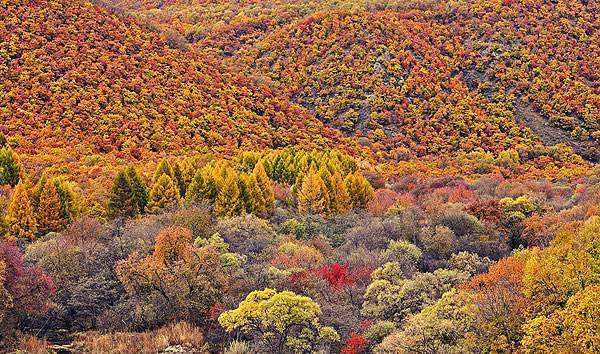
pixel 325 182
pixel 48 207
pixel 245 184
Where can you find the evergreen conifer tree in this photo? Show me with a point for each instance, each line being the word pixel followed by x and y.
pixel 10 168
pixel 196 191
pixel 138 188
pixel 3 140
pixel 122 199
pixel 163 168
pixel 248 192
pixel 70 198
pixel 179 179
pixel 203 187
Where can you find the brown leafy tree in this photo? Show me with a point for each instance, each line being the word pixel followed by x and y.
pixel 178 281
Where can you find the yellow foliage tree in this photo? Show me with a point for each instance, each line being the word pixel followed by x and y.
pixel 49 213
pixel 20 216
pixel 340 199
pixel 562 283
pixel 164 195
pixel 285 321
pixel 359 189
pixel 250 193
pixel 229 202
pixel 313 197
pixel 265 197
pixel 570 264
pixel 574 329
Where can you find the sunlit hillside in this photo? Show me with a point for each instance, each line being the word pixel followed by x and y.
pixel 299 176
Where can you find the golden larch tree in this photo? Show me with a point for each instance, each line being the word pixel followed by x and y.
pixel 359 189
pixel 313 197
pixel 20 215
pixel 49 213
pixel 265 185
pixel 164 195
pixel 228 202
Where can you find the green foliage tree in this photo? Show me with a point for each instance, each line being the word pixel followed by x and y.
pixel 10 168
pixel 202 188
pixel 163 168
pixel 284 320
pixel 138 188
pixel 179 178
pixel 249 193
pixel 121 200
pixel 70 198
pixel 129 194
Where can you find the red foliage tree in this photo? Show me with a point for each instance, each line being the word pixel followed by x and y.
pixel 337 275
pixel 356 344
pixel 24 290
pixel 383 199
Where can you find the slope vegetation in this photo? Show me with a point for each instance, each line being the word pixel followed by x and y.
pixel 75 74
pixel 388 76
pixel 392 70
pixel 541 56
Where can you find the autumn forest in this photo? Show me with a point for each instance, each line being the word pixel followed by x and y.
pixel 299 176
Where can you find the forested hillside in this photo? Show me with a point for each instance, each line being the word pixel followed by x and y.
pixel 365 66
pixel 76 73
pixel 299 176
